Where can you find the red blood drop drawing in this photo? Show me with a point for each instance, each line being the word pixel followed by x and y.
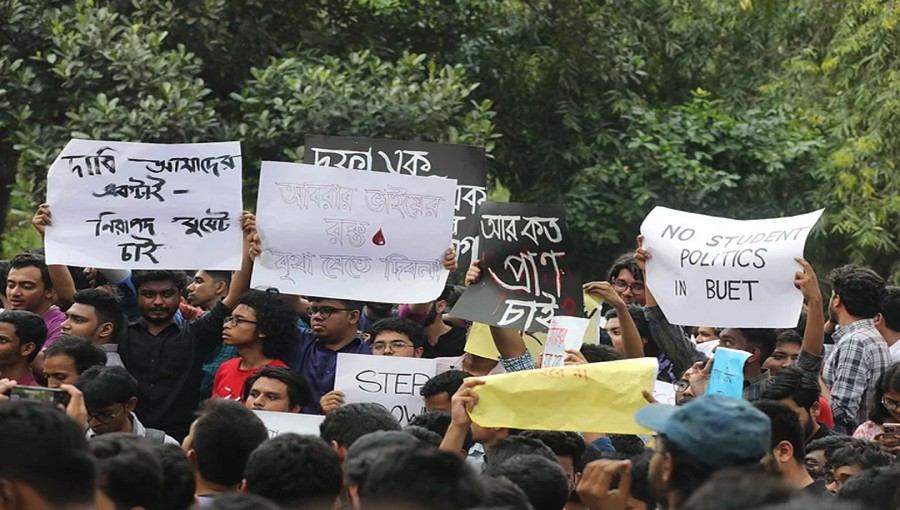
pixel 378 238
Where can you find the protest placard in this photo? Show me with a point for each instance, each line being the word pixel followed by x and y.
pixel 345 234
pixel 664 392
pixel 709 271
pixel 391 381
pixel 529 272
pixel 283 423
pixel 465 163
pixel 597 397
pixel 727 375
pixel 125 205
pixel 566 333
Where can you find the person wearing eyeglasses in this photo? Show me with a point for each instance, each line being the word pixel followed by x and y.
pixel 881 427
pixel 261 328
pixel 110 396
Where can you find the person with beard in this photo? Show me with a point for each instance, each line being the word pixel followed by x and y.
pixel 374 312
pixel 445 340
pixel 860 354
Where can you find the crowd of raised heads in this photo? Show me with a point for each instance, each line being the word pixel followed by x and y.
pixel 144 390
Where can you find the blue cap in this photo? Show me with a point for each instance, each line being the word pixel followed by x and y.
pixel 717 430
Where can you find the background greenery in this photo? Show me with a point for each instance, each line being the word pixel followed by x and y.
pixel 740 108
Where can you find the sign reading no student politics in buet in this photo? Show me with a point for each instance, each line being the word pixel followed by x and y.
pixel 364 236
pixel 145 206
pixel 464 163
pixel 719 272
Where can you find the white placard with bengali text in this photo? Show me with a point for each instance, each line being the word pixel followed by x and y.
pixel 391 381
pixel 565 333
pixel 719 272
pixel 282 423
pixel 123 205
pixel 366 236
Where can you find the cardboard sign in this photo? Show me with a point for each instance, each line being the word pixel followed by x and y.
pixel 282 423
pixel 727 375
pixel 391 381
pixel 708 271
pixel 363 236
pixel 530 273
pixel 121 205
pixel 566 333
pixel 464 163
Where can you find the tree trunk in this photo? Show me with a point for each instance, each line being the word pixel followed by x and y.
pixel 9 159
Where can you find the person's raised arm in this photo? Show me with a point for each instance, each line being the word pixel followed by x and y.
pixel 240 280
pixel 808 283
pixel 631 338
pixel 60 277
pixel 418 311
pixel 461 404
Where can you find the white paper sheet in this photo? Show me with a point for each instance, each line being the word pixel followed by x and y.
pixel 282 423
pixel 565 333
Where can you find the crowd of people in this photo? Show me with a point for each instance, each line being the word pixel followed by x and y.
pixel 153 378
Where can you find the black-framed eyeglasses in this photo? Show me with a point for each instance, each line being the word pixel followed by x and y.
pixel 105 416
pixel 396 345
pixel 636 287
pixel 890 404
pixel 682 385
pixel 235 321
pixel 326 311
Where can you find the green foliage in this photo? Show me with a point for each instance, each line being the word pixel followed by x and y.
pixel 20 235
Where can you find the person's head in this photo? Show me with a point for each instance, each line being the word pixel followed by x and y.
pixel 422 477
pixel 179 484
pixel 598 353
pixel 788 441
pixel 707 334
pixel 640 477
pixel 887 396
pixel 294 470
pixel 110 396
pixel 334 320
pixel 240 501
pixel 787 350
pixel 129 475
pixel 845 462
pixel 276 389
pixel 759 342
pixel 799 392
pixel 396 336
pixel 614 329
pixel 158 294
pixel 542 480
pixel 382 310
pixel 438 422
pixel 817 453
pixel 568 448
pixel 628 279
pixel 857 293
pixel 96 315
pixel 428 436
pixel 500 492
pixel 221 439
pixel 441 305
pixel 4 268
pixel 261 318
pixel 341 428
pixel 69 357
pixel 438 391
pixel 692 443
pixel 740 489
pixel 28 284
pixel 368 449
pixel 888 319
pixel 512 446
pixel 22 334
pixel 37 441
pixel 208 287
pixel 814 502
pixel 876 488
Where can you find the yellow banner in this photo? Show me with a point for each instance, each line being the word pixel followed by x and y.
pixel 597 397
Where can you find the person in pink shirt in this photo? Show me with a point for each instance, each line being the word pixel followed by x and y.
pixel 22 334
pixel 260 327
pixel 29 287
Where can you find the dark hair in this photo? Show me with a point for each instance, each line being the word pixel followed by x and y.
pixel 739 489
pixel 179 483
pixel 861 290
pixel 400 325
pixel 26 259
pixel 888 381
pixel 29 327
pixel 107 307
pixel 890 308
pixel 543 480
pixel 299 392
pixel 625 261
pixel 293 470
pixel 629 444
pixel 241 501
pixel 429 436
pixel 346 303
pixel 785 426
pixel 787 336
pixel 637 315
pixel 862 453
pixel 219 276
pixel 274 318
pixel 598 353
pixel 224 436
pixel 688 473
pixel 590 454
pixel 104 386
pixel 793 383
pixel 128 471
pixel 446 382
pixel 38 439
pixel 817 502
pixel 500 492
pixel 425 477
pixel 350 422
pixel 82 351
pixel 877 488
pixel 512 446
pixel 4 269
pixel 562 444
pixel 139 278
pixel 438 422
pixel 762 338
pixel 640 478
pixel 828 442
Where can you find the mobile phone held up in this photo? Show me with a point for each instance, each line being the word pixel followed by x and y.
pixel 891 429
pixel 40 394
